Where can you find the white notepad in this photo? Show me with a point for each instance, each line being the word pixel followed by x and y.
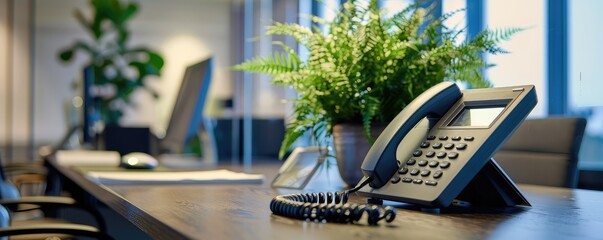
pixel 87 158
pixel 213 176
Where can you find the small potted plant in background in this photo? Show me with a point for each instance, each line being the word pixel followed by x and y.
pixel 365 70
pixel 117 69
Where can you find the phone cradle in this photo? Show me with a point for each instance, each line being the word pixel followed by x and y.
pixel 491 187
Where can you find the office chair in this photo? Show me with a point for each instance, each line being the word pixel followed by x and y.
pixel 544 152
pixel 12 201
pixel 47 230
pixel 34 174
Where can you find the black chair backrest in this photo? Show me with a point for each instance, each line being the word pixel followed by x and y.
pixel 544 152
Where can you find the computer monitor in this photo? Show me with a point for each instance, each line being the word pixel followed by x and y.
pixel 88 106
pixel 187 119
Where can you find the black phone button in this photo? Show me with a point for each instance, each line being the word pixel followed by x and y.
pixel 406 179
pixel 430 154
pixel 411 161
pixel 417 181
pixel 456 138
pixel 449 146
pixel 445 164
pixel 395 179
pixel 437 145
pixel 430 137
pixel 453 155
pixel 425 173
pixel 461 146
pixel 469 138
pixel 443 138
pixel 434 163
pixel 441 154
pixel 423 163
pixel 437 174
pixel 424 144
pixel 431 183
pixel 417 153
pixel 403 170
pixel 414 172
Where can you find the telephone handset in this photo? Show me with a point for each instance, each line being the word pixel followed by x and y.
pixel 433 103
pixel 471 125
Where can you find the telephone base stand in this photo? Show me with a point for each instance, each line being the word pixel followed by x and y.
pixel 434 210
pixel 491 187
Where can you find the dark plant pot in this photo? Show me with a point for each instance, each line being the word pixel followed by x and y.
pixel 128 139
pixel 351 146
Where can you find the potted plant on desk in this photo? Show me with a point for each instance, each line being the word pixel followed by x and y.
pixel 115 70
pixel 365 70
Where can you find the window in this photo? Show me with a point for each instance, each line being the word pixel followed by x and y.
pixel 458 21
pixel 394 6
pixel 585 75
pixel 526 62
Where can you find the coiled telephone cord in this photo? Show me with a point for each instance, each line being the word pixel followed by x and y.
pixel 329 207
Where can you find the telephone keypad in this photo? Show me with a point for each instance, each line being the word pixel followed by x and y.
pixel 417 153
pixel 436 166
pixel 395 179
pixel 431 183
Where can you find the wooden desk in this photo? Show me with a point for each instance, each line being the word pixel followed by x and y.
pixel 241 211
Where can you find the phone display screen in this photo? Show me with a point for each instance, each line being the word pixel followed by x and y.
pixel 476 116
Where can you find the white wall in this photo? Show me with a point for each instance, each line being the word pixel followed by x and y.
pixel 183 31
pixel 15 55
pixel 4 36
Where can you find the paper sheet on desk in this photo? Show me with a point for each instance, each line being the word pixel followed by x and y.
pixel 87 158
pixel 213 176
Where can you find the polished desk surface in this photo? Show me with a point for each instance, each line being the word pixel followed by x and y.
pixel 241 211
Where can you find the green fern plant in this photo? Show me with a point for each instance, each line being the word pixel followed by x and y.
pixel 367 67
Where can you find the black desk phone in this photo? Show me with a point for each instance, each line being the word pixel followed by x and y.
pixel 435 153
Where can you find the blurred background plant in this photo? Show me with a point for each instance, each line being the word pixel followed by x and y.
pixel 117 69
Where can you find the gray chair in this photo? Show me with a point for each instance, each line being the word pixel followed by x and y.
pixel 544 152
